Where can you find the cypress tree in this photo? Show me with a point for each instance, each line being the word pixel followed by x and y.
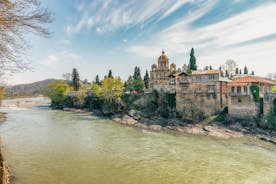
pixel 146 79
pixel 240 71
pixel 252 73
pixel 237 71
pixel 110 75
pixel 245 70
pixel 137 72
pixel 192 63
pixel 97 80
pixel 75 79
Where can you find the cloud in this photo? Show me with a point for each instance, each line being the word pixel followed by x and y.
pixel 61 58
pixel 113 15
pixel 219 41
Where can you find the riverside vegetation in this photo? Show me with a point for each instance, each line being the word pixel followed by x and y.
pixel 132 100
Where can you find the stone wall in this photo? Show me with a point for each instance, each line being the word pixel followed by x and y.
pixel 242 107
pixel 209 102
pixel 268 102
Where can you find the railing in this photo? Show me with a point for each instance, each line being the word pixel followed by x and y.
pixel 183 81
pixel 211 91
pixel 171 82
pixel 239 94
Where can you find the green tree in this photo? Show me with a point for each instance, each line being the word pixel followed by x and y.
pixel 237 71
pixel 110 75
pixel 97 80
pixel 274 89
pixel 255 91
pixel 112 88
pixel 192 63
pixel 146 79
pixel 111 93
pixel 129 84
pixel 57 92
pixel 137 73
pixel 135 82
pixel 75 79
pixel 2 91
pixel 138 84
pixel 245 71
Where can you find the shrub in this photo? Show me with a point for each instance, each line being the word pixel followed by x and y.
pixel 57 92
pixel 271 119
pixel 255 90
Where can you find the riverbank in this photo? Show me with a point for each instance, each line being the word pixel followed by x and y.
pixel 4 169
pixel 208 127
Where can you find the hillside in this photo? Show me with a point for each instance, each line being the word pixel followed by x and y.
pixel 32 89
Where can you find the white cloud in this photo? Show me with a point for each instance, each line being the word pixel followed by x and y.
pixel 113 15
pixel 60 58
pixel 216 42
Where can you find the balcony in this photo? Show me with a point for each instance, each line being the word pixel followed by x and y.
pixel 239 94
pixel 171 82
pixel 183 81
pixel 211 91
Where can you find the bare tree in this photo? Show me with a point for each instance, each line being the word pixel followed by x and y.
pixel 67 76
pixel 18 18
pixel 271 76
pixel 230 66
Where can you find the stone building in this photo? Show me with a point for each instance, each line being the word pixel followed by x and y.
pixel 159 73
pixel 205 89
pixel 241 101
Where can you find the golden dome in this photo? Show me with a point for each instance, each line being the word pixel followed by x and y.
pixel 163 57
pixel 154 66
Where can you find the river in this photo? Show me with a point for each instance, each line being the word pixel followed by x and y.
pixel 44 146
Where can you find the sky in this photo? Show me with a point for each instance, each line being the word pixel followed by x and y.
pixel 97 35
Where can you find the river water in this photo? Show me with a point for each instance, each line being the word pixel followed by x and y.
pixel 48 146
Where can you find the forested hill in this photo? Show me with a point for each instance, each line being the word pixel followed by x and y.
pixel 32 89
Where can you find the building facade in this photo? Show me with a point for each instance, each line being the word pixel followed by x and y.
pixel 202 89
pixel 159 73
pixel 242 103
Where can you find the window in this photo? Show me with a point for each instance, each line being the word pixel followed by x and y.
pixel 245 89
pixel 232 89
pixel 239 100
pixel 239 90
pixel 211 76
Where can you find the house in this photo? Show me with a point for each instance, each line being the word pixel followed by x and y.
pixel 205 88
pixel 243 104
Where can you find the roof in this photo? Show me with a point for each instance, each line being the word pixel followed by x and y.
pixel 205 72
pixel 163 57
pixel 177 75
pixel 252 79
pixel 238 84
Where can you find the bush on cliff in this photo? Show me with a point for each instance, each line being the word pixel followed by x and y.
pixel 271 119
pixel 57 92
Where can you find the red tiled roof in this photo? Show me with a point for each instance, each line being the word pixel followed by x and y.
pixel 237 84
pixel 252 79
pixel 205 72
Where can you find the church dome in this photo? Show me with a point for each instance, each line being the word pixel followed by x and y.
pixel 163 61
pixel 163 57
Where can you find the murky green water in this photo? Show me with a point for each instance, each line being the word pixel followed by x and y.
pixel 46 146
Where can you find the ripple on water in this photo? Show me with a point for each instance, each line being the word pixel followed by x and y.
pixel 45 146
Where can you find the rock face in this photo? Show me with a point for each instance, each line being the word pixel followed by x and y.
pixel 130 121
pixel 4 169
